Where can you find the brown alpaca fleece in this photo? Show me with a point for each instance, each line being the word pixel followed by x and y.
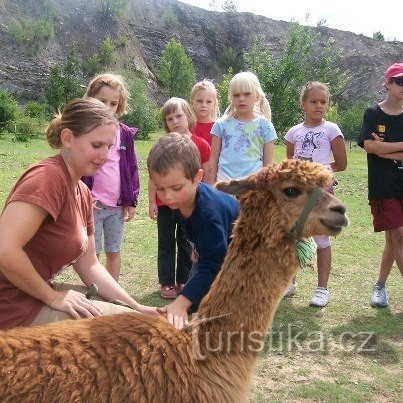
pixel 140 358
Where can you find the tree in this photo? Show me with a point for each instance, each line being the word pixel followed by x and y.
pixel 230 6
pixel 378 36
pixel 177 73
pixel 143 113
pixel 115 9
pixel 300 61
pixel 9 110
pixel 63 84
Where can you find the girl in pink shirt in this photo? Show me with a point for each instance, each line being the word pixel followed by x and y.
pixel 115 186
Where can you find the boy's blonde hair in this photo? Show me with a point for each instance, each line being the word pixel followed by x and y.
pixel 206 85
pixel 114 81
pixel 313 85
pixel 173 150
pixel 246 81
pixel 174 104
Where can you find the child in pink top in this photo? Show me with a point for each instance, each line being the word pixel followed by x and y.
pixel 178 117
pixel 115 186
pixel 204 102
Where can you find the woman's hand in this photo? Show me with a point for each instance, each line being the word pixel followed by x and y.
pixel 75 304
pixel 152 310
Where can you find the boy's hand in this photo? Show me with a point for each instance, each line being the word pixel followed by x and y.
pixel 176 312
pixel 153 211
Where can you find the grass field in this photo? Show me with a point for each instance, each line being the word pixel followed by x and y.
pixel 346 352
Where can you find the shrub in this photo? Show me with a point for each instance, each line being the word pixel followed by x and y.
pixel 34 109
pixel 9 109
pixel 144 113
pixel 26 128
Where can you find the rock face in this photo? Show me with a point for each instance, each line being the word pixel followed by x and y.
pixel 149 25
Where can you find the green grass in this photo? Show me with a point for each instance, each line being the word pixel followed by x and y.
pixel 346 352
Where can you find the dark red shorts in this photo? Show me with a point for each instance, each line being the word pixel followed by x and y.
pixel 387 214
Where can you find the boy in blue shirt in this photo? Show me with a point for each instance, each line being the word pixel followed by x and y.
pixel 206 213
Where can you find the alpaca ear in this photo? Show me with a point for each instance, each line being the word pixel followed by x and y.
pixel 236 187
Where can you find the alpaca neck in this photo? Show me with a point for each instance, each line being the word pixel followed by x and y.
pixel 246 293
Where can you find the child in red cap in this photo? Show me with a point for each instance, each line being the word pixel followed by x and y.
pixel 382 138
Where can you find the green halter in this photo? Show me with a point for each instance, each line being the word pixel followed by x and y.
pixel 297 228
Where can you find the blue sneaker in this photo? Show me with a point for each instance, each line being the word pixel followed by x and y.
pixel 379 296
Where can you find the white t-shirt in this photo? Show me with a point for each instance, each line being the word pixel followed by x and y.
pixel 313 143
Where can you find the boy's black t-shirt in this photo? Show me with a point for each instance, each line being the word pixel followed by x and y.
pixel 385 176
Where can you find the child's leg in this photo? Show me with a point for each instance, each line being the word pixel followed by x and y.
pixel 113 232
pixel 99 216
pixel 397 242
pixel 166 246
pixel 387 258
pixel 321 295
pixel 184 262
pixel 324 262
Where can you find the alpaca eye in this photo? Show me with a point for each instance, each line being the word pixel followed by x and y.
pixel 291 192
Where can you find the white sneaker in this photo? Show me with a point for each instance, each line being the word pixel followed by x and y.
pixel 291 290
pixel 320 297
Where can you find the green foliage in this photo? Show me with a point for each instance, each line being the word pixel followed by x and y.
pixel 92 65
pixel 350 121
pixel 222 89
pixel 169 18
pixel 36 110
pixel 115 9
pixel 378 36
pixel 107 53
pixel 9 110
pixel 32 34
pixel 64 82
pixel 177 73
pixel 143 113
pixel 228 58
pixel 26 128
pixel 299 62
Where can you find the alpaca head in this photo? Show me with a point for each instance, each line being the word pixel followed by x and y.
pixel 274 198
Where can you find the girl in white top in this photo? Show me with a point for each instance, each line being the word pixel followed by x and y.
pixel 316 140
pixel 243 138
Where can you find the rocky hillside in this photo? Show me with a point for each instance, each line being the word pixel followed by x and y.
pixel 149 26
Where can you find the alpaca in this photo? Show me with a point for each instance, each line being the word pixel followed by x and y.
pixel 139 358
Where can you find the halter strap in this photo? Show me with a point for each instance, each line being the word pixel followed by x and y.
pixel 297 228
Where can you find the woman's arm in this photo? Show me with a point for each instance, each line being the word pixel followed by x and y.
pixel 339 154
pixel 18 225
pixel 211 176
pixel 91 271
pixel 268 153
pixel 290 148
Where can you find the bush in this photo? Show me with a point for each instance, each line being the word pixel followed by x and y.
pixel 36 110
pixel 144 113
pixel 9 110
pixel 26 128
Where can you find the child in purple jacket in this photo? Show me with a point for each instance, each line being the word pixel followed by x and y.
pixel 115 186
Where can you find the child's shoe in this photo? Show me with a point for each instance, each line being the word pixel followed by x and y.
pixel 379 296
pixel 320 297
pixel 168 291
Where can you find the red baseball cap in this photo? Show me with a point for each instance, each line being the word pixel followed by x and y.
pixel 395 70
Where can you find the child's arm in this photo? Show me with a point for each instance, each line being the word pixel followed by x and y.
pixel 268 153
pixel 381 147
pixel 211 177
pixel 152 200
pixel 339 154
pixel 290 148
pixel 176 312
